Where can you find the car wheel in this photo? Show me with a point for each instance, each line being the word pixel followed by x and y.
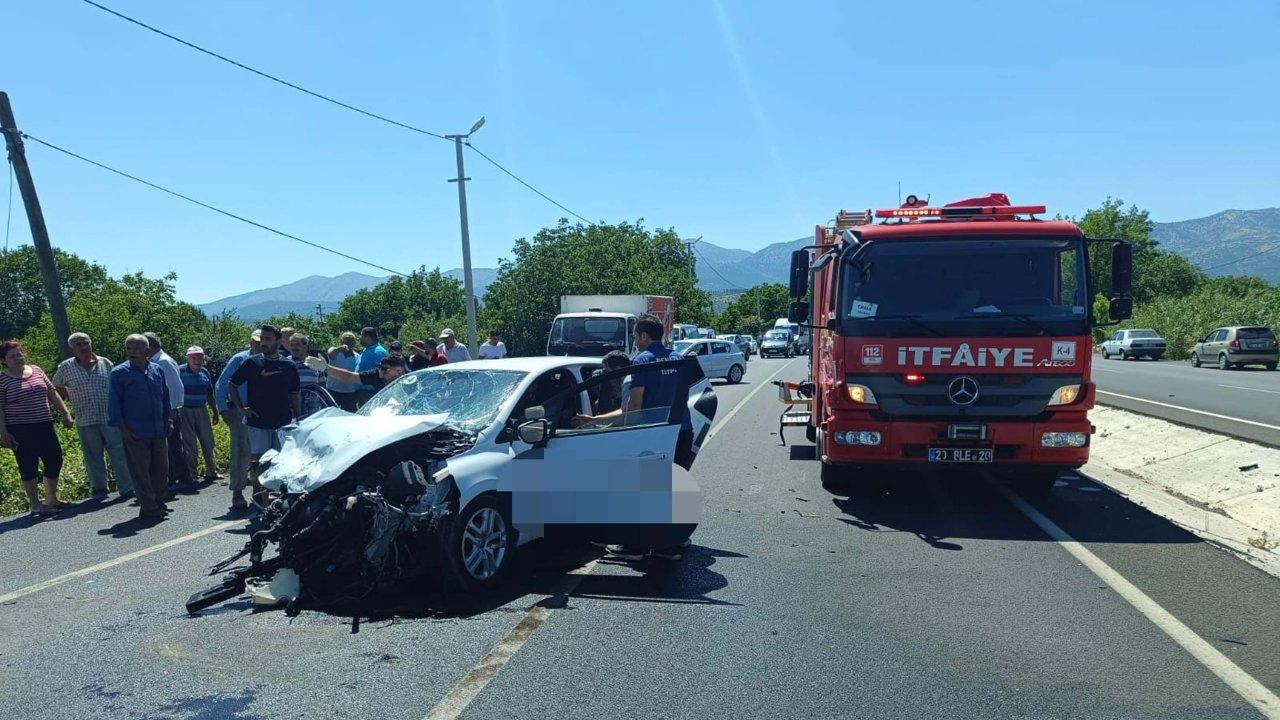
pixel 735 374
pixel 1195 359
pixel 1223 362
pixel 1105 355
pixel 1270 366
pixel 479 545
pixel 1123 355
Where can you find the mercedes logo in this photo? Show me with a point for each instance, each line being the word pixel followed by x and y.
pixel 963 391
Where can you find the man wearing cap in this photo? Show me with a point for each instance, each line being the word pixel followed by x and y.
pixel 197 414
pixel 239 465
pixel 369 358
pixel 453 350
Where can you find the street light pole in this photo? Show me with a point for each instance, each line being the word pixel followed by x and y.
pixel 467 283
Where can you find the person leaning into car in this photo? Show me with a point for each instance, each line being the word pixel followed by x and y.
pixel 389 368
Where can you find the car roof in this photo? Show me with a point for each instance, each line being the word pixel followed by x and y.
pixel 533 364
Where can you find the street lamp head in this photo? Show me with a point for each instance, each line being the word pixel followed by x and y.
pixel 478 124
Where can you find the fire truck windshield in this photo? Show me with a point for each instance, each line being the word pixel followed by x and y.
pixel 970 286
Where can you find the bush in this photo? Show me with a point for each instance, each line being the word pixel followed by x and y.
pixel 1184 321
pixel 73 484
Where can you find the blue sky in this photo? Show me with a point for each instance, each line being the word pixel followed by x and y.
pixel 743 122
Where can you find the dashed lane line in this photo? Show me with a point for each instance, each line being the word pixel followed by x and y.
pixel 1245 685
pixel 469 687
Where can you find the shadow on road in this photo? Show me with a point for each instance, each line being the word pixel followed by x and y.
pixel 943 511
pixel 685 582
pixel 131 527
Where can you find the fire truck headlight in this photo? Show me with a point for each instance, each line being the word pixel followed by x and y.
pixel 1063 439
pixel 861 394
pixel 857 437
pixel 1065 395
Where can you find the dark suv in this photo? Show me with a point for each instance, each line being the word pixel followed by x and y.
pixel 1231 347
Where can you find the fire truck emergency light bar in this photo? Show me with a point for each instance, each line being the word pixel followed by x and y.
pixel 961 211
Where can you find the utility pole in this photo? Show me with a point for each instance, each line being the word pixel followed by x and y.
pixel 467 285
pixel 757 309
pixel 39 233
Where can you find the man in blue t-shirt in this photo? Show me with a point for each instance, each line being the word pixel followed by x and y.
pixel 650 390
pixel 369 358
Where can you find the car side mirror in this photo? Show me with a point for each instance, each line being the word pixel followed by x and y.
pixel 798 312
pixel 534 432
pixel 537 412
pixel 1121 308
pixel 799 280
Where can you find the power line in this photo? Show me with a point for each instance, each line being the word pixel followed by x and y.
pixel 327 99
pixel 260 73
pixel 522 182
pixel 207 206
pixel 1246 257
pixel 731 284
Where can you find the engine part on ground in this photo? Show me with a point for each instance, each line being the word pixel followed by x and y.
pixel 282 588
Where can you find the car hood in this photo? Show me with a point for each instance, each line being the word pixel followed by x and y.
pixel 774 343
pixel 323 446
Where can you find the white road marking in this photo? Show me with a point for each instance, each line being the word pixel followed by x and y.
pixel 1253 692
pixel 1241 387
pixel 1191 410
pixel 8 597
pixel 469 688
pixel 1098 369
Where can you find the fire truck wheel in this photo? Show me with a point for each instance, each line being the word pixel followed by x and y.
pixel 836 479
pixel 811 432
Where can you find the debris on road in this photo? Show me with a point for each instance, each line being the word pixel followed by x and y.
pixel 1247 468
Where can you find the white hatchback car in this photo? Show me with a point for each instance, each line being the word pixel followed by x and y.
pixel 718 358
pixel 459 464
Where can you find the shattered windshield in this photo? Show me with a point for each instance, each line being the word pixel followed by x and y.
pixel 469 399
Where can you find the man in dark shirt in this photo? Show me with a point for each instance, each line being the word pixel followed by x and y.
pixel 389 368
pixel 423 355
pixel 272 386
pixel 651 390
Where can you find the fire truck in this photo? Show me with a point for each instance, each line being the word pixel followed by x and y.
pixel 956 336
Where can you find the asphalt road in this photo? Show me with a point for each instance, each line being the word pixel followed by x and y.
pixel 914 597
pixel 1243 402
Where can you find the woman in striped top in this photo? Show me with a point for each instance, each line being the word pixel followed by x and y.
pixel 26 425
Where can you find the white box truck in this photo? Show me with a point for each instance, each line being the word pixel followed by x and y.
pixel 594 325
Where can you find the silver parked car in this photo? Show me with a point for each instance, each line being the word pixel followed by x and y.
pixel 718 358
pixel 1230 347
pixel 1126 344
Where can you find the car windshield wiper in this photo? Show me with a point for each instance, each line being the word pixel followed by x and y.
pixel 1020 317
pixel 914 320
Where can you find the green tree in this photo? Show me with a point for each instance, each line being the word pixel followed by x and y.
pixel 221 337
pixel 389 305
pixel 579 259
pixel 22 298
pixel 134 303
pixel 740 315
pixel 1156 272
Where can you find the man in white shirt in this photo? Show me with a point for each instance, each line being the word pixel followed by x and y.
pixel 172 380
pixel 451 348
pixel 493 349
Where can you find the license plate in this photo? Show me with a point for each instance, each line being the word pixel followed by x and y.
pixel 960 455
pixel 1258 345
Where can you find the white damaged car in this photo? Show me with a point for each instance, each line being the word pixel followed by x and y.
pixel 450 469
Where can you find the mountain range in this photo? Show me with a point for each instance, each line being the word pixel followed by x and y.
pixel 1239 242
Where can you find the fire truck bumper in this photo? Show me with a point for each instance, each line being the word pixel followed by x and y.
pixel 855 438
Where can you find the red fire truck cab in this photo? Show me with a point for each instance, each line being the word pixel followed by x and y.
pixel 956 336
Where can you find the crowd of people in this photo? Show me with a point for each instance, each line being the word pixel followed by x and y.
pixel 150 419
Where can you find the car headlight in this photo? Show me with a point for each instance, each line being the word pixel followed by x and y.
pixel 861 394
pixel 1064 439
pixel 1065 395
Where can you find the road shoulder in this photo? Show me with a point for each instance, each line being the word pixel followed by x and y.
pixel 1225 490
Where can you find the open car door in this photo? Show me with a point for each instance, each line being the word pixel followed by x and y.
pixel 617 480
